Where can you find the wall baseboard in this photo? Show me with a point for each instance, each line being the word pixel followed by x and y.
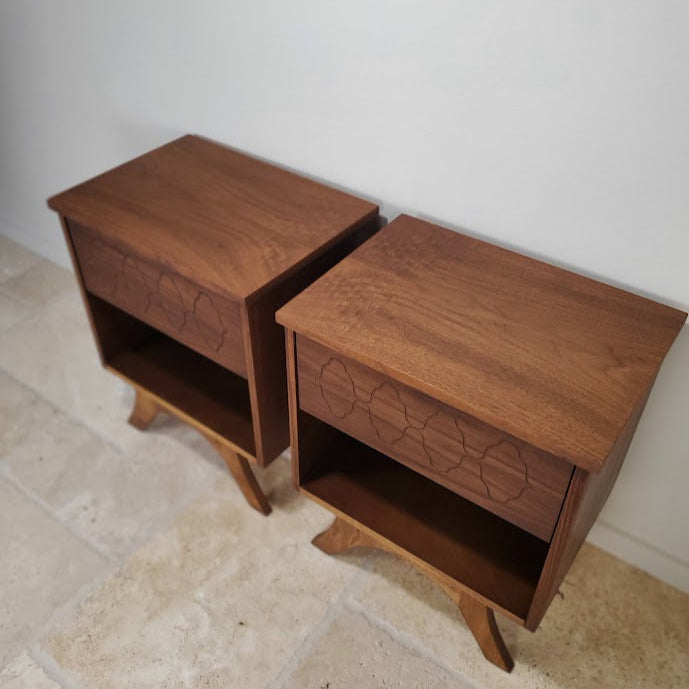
pixel 646 557
pixel 54 250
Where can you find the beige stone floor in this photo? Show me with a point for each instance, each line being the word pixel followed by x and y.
pixel 131 560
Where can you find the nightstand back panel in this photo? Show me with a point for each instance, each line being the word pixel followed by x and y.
pixel 495 470
pixel 204 321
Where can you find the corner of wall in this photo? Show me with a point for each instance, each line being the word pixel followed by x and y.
pixel 53 249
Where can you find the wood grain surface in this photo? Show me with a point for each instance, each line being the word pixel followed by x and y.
pixel 486 465
pixel 553 358
pixel 227 221
pixel 264 342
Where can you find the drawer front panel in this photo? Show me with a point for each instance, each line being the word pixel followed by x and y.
pixel 493 469
pixel 204 321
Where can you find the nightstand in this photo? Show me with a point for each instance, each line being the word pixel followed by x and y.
pixel 467 408
pixel 183 256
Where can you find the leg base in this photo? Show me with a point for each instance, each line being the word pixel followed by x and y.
pixel 342 536
pixel 241 472
pixel 144 411
pixel 481 621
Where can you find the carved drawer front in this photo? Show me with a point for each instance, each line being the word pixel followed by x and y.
pixel 493 469
pixel 202 320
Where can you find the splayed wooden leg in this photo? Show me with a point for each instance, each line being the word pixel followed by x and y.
pixel 144 411
pixel 341 536
pixel 146 408
pixel 481 621
pixel 241 472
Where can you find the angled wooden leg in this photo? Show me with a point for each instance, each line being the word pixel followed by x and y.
pixel 481 621
pixel 241 472
pixel 341 536
pixel 145 410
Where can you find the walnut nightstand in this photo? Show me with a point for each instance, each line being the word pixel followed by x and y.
pixel 183 256
pixel 467 408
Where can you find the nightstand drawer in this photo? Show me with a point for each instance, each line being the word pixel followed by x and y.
pixel 493 469
pixel 206 322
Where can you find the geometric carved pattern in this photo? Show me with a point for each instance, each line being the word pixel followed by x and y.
pixel 208 323
pixel 503 474
pixel 446 444
pixel 126 276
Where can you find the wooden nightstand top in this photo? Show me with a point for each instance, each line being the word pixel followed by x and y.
pixel 552 357
pixel 221 218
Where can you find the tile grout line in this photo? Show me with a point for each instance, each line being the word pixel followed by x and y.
pixel 33 309
pixel 83 423
pixel 68 412
pixel 47 510
pixel 38 653
pixel 409 642
pixel 174 510
pixel 51 667
pixel 30 311
pixel 122 450
pixel 319 630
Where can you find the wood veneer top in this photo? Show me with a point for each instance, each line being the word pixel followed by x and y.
pixel 554 358
pixel 219 217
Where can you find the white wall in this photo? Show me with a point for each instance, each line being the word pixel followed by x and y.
pixel 559 128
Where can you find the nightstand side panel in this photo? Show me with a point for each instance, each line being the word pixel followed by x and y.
pixel 265 344
pixel 584 501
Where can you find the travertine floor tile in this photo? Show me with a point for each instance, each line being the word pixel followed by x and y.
pixel 70 305
pixel 14 259
pixel 221 600
pixel 116 500
pixel 353 653
pixel 42 567
pixel 41 283
pixel 21 412
pixel 11 312
pixel 613 626
pixel 24 673
pixel 54 354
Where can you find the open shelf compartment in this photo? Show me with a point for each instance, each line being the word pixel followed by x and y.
pixel 464 541
pixel 214 397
